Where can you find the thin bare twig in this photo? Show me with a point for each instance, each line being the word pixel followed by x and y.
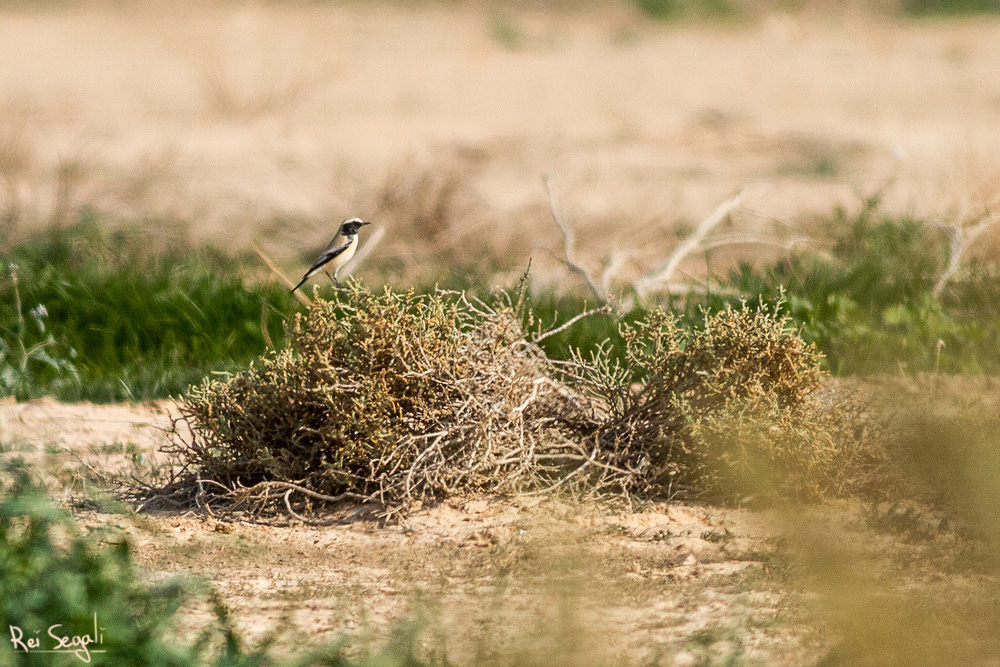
pixel 278 272
pixel 662 274
pixel 751 239
pixel 962 237
pixel 569 238
pixel 611 270
pixel 571 322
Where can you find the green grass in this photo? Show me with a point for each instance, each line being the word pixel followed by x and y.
pixel 950 7
pixel 105 315
pixel 135 321
pixel 869 303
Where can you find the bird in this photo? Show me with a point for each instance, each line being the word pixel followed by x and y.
pixel 338 253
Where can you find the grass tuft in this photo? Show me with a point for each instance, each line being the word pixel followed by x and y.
pixel 135 317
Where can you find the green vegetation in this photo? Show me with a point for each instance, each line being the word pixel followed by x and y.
pixel 91 314
pixel 124 316
pixel 671 10
pixel 666 10
pixel 870 305
pixel 950 7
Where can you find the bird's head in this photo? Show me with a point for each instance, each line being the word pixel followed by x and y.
pixel 351 226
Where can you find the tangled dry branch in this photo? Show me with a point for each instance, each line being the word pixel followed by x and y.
pixel 382 399
pixel 386 398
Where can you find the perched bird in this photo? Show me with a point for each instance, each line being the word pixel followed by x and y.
pixel 338 253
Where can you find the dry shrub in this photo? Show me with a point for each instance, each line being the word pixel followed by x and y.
pixel 390 397
pixel 725 409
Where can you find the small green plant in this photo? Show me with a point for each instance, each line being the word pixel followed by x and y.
pixel 30 360
pixel 667 10
pixel 505 31
pixel 58 580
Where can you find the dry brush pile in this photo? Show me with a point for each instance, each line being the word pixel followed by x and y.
pixel 393 397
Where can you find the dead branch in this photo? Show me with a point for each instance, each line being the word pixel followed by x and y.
pixel 962 236
pixel 569 252
pixel 614 266
pixel 753 239
pixel 660 278
pixel 661 275
pixel 571 322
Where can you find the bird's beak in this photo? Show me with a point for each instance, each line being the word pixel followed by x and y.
pixel 366 223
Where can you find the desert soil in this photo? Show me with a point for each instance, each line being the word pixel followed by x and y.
pixel 677 581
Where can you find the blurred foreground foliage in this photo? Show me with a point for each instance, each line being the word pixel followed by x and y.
pixel 53 574
pixel 57 574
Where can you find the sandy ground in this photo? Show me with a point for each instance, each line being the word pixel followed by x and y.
pixel 547 581
pixel 533 581
pixel 259 122
pixel 681 582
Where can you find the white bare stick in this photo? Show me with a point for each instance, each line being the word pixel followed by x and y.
pixel 569 259
pixel 961 238
pixel 752 239
pixel 363 251
pixel 614 266
pixel 663 273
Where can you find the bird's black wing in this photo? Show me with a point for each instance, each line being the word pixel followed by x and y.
pixel 328 256
pixel 323 259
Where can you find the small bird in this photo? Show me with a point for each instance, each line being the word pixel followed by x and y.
pixel 338 253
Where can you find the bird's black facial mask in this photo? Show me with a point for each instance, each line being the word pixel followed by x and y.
pixel 352 227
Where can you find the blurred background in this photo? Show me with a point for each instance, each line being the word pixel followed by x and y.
pixel 150 149
pixel 270 122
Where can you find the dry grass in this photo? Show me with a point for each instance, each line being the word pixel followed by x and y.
pixel 195 125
